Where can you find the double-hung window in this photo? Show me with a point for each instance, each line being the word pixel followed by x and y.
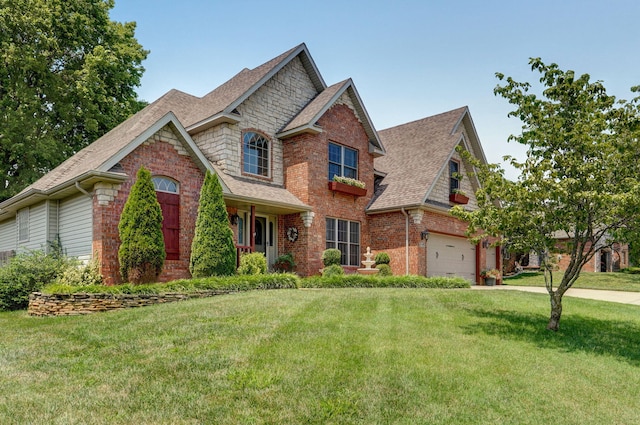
pixel 343 161
pixel 345 236
pixel 23 225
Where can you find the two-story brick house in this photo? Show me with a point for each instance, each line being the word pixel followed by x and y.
pixel 274 135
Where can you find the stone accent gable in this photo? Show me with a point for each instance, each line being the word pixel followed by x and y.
pixel 345 99
pixel 165 134
pixel 268 110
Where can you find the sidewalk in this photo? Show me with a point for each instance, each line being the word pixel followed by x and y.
pixel 592 294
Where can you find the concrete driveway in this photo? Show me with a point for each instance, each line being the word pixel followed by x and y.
pixel 592 294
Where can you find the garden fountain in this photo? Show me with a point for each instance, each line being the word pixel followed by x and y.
pixel 368 262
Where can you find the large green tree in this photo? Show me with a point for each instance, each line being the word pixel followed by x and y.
pixel 213 252
pixel 67 76
pixel 580 179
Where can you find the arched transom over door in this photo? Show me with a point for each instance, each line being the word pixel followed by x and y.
pixel 169 199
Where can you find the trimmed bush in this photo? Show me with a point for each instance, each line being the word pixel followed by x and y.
pixel 254 263
pixel 362 281
pixel 331 256
pixel 385 270
pixel 631 270
pixel 213 252
pixel 382 258
pixel 333 270
pixel 141 253
pixel 26 273
pixel 227 283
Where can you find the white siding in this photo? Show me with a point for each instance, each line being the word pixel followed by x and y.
pixel 8 235
pixel 37 228
pixel 75 226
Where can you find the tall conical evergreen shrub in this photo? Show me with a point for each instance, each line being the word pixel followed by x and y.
pixel 213 252
pixel 141 253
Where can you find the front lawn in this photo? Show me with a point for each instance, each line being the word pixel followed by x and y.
pixel 326 356
pixel 587 280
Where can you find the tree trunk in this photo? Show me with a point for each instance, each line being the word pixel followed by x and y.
pixel 556 311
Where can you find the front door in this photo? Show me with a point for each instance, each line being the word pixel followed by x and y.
pixel 260 236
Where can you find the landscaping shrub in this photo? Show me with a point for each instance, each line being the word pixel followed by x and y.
pixel 227 283
pixel 26 273
pixel 331 256
pixel 78 274
pixel 333 270
pixel 382 258
pixel 284 264
pixel 141 253
pixel 385 270
pixel 631 270
pixel 213 252
pixel 253 263
pixel 362 281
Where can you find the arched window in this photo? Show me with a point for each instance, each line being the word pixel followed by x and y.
pixel 164 184
pixel 255 151
pixel 169 199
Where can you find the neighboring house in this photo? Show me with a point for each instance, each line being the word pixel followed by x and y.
pixel 609 257
pixel 275 136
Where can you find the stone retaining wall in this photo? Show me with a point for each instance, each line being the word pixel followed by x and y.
pixel 76 304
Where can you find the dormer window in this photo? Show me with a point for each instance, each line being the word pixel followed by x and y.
pixel 255 151
pixel 343 161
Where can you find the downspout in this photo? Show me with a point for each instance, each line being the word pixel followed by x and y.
pixel 406 240
pixel 82 190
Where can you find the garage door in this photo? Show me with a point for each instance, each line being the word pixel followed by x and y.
pixel 451 256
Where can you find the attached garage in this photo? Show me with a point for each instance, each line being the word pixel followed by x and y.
pixel 451 256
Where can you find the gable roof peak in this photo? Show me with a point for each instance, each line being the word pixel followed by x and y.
pixel 226 97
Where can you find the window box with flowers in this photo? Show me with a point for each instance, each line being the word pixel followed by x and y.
pixel 347 185
pixel 490 276
pixel 458 197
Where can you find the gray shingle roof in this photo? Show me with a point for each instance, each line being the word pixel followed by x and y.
pixel 266 193
pixel 97 153
pixel 416 152
pixel 189 110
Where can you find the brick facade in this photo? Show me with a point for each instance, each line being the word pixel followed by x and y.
pixel 163 155
pixel 306 176
pixel 388 234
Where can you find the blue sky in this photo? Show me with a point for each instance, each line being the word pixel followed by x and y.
pixel 408 58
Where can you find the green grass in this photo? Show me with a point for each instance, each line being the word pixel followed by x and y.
pixel 587 280
pixel 326 356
